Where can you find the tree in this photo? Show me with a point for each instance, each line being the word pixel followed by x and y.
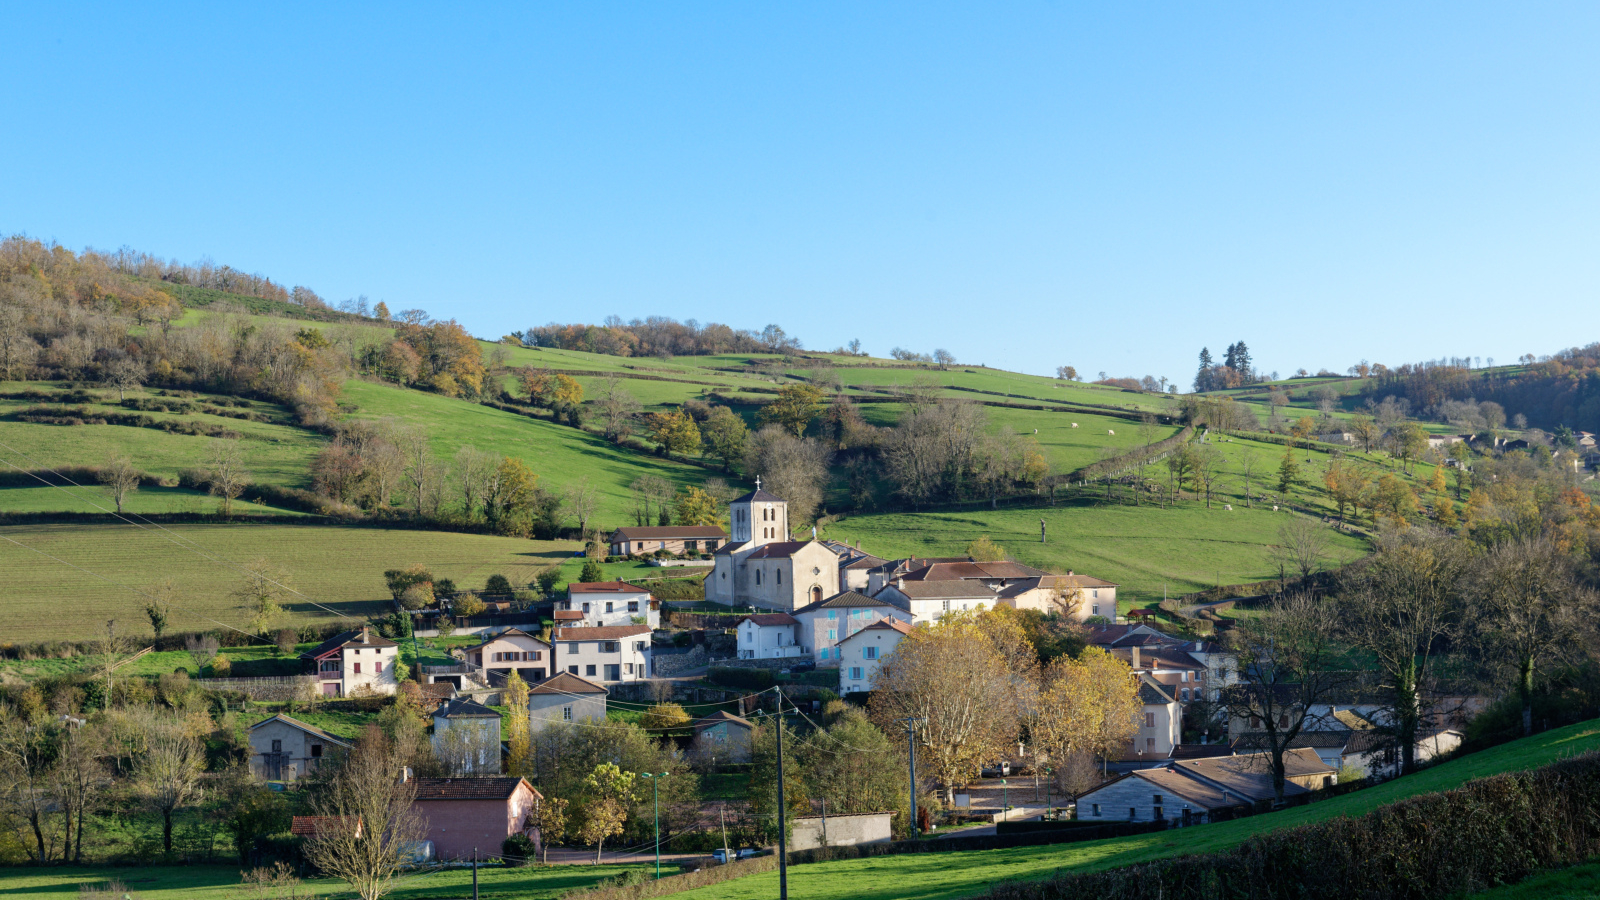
pixel 1066 373
pixel 1288 474
pixel 1403 608
pixel 519 732
pixel 202 648
pixel 1203 378
pixel 467 605
pixel 474 470
pixel 697 507
pixel 954 677
pixel 168 774
pixel 262 590
pixel 538 384
pixel 944 359
pixel 1180 464
pixel 567 391
pixel 126 374
pixel 1409 441
pixel 549 816
pixel 1089 705
pixel 158 605
pixel 1366 432
pixel 725 435
pixel 609 793
pixel 853 767
pixel 1528 611
pixel 793 468
pixel 583 498
pixel 368 822
pixel 381 311
pixel 617 408
pixel 224 471
pixel 591 571
pixel 401 580
pixel 675 431
pixel 796 406
pixel 762 789
pixel 1285 665
pixel 1302 544
pixel 985 550
pixel 664 717
pixel 120 478
pixel 509 496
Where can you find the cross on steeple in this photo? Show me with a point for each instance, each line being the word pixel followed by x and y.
pixel 758 482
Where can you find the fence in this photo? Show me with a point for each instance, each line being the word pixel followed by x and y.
pixel 290 687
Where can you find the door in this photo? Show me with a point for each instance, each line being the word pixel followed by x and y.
pixel 274 761
pixel 613 673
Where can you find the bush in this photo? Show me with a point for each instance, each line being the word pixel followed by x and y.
pixel 497 584
pixel 467 605
pixel 591 571
pixel 221 667
pixel 753 679
pixel 663 716
pixel 518 851
pixel 548 579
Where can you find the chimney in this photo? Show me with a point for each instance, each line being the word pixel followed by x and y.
pixel 1135 657
pixel 364 634
pixel 405 774
pixel 900 584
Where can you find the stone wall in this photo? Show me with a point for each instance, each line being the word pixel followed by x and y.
pixel 669 665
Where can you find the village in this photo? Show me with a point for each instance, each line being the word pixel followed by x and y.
pixel 830 611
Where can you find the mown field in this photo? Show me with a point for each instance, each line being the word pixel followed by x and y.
pixel 945 876
pixel 219 882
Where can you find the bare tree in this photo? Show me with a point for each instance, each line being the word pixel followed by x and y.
pixel 125 374
pixel 793 468
pixel 584 498
pixel 1302 545
pixel 1248 466
pixel 202 648
pixel 367 819
pixel 120 478
pixel 262 591
pixel 649 492
pixel 1403 607
pixel 385 465
pixel 168 774
pixel 617 407
pixel 224 471
pixel 944 359
pixel 1528 611
pixel 423 472
pixel 1284 667
pixel 474 472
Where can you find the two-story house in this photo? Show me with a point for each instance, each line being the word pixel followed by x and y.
pixel 825 623
pixel 512 650
pixel 604 603
pixel 354 663
pixel 769 636
pixel 1160 722
pixel 566 698
pixel 926 601
pixel 863 652
pixel 284 748
pixel 607 654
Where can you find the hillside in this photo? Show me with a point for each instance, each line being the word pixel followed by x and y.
pixel 944 876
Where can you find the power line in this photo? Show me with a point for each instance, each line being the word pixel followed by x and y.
pixel 170 535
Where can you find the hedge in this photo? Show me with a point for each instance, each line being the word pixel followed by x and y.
pixel 1496 830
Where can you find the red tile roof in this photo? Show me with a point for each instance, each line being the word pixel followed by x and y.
pixel 567 683
pixel 764 620
pixel 469 788
pixel 667 532
pixel 601 633
pixel 605 587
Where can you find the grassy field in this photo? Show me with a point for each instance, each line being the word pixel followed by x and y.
pixel 340 567
pixel 204 882
pixel 943 876
pixel 1577 883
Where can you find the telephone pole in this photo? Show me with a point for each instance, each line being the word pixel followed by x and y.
pixel 783 818
pixel 911 745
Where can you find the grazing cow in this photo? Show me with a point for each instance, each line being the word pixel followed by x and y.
pixel 1074 424
pixel 1274 509
pixel 1228 507
pixel 1109 431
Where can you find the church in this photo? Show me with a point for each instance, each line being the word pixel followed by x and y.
pixel 760 566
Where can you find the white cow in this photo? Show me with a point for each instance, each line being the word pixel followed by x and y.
pixel 1074 424
pixel 1110 432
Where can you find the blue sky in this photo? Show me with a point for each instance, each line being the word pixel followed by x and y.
pixel 1027 185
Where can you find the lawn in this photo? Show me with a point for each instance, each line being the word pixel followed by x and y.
pixel 206 882
pixel 338 566
pixel 1577 883
pixel 941 876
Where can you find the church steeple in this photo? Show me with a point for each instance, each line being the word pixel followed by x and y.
pixel 758 518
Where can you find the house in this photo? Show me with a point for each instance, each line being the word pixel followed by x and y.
pixel 1373 751
pixel 926 601
pixel 512 650
pixel 1160 725
pixel 674 539
pixel 608 653
pixel 770 636
pixel 841 830
pixel 724 737
pixel 1076 596
pixel 1328 745
pixel 824 623
pixel 1443 441
pixel 354 663
pixel 283 749
pixel 761 567
pixel 854 565
pixel 997 576
pixel 603 603
pixel 566 697
pixel 1179 674
pixel 1188 791
pixel 474 815
pixel 862 653
pixel 311 826
pixel 466 738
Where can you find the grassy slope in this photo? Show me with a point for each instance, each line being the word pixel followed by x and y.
pixel 341 567
pixel 201 882
pixel 939 876
pixel 1577 883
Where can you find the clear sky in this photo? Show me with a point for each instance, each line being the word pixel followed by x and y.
pixel 1107 185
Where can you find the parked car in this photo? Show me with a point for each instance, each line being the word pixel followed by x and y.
pixel 748 852
pixel 997 770
pixel 803 667
pixel 720 856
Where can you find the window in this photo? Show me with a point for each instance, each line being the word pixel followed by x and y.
pixel 750 636
pixel 1185 693
pixel 758 576
pixel 378 668
pixel 1094 610
pixel 589 670
pixel 316 751
pixel 1283 720
pixel 1096 807
pixel 610 647
pixel 1157 800
pixel 358 669
pixel 1185 676
pixel 822 654
pixel 277 746
pixel 724 574
pixel 1132 814
pixel 1255 721
pixel 1159 813
pixel 1149 720
pixel 1149 745
pixel 573 669
pixel 638 646
pixel 633 606
pixel 780 576
pixel 833 614
pixel 1095 594
pixel 572 647
pixel 586 609
pixel 855 673
pixel 628 668
pixel 870 653
pixel 833 634
pixel 608 606
pixel 566 713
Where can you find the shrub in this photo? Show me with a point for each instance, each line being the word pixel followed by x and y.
pixel 497 584
pixel 592 571
pixel 753 679
pixel 548 579
pixel 221 667
pixel 286 639
pixel 518 851
pixel 663 716
pixel 416 596
pixel 467 605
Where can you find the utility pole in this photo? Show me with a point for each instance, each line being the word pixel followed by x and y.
pixel 111 656
pixel 655 793
pixel 824 821
pixel 783 817
pixel 911 745
pixel 724 816
pixel 474 873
